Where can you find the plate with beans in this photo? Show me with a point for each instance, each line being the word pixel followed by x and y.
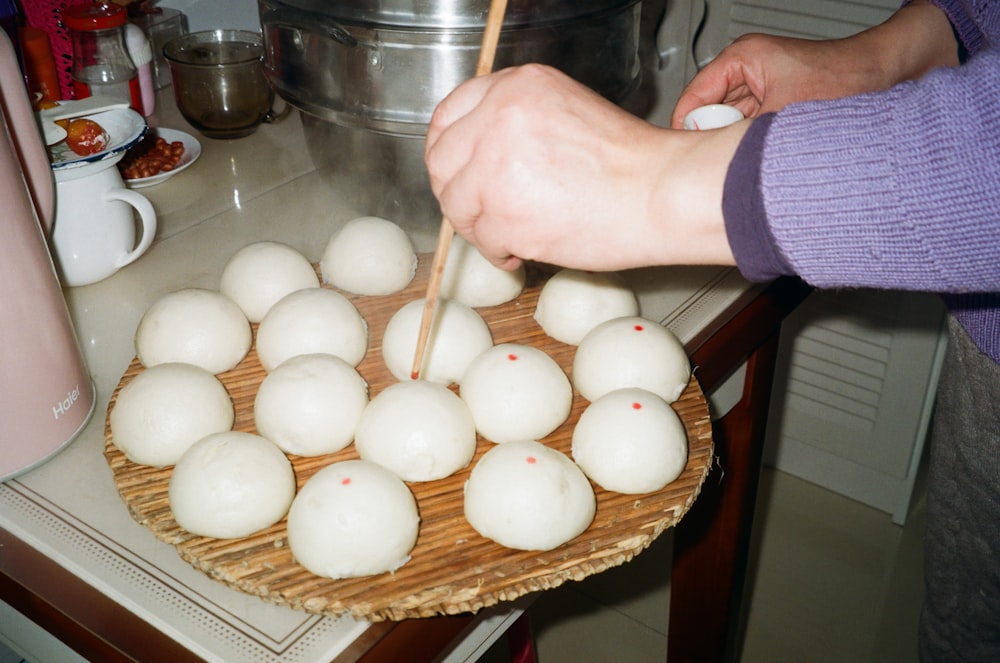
pixel 161 154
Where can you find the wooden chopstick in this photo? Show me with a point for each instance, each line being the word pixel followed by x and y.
pixel 487 54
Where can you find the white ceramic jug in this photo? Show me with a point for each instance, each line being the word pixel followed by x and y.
pixel 46 393
pixel 94 231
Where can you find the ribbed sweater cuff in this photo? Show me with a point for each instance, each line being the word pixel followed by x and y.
pixel 970 37
pixel 750 238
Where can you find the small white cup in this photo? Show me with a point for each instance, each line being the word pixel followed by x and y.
pixel 93 235
pixel 713 116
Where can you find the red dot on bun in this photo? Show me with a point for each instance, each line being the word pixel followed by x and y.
pixel 639 328
pixel 512 356
pixel 345 481
pixel 637 406
pixel 531 460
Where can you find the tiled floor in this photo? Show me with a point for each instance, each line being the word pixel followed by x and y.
pixel 834 581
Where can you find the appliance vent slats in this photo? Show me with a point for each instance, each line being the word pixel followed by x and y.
pixel 817 394
pixel 837 375
pixel 813 20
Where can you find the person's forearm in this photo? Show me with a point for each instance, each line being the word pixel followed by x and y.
pixel 915 40
pixel 686 204
pixel 898 190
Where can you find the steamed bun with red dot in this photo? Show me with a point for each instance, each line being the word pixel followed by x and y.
pixel 353 518
pixel 457 336
pixel 630 441
pixel 516 392
pixel 526 496
pixel 631 352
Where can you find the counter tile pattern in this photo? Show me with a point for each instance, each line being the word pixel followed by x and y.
pixel 258 188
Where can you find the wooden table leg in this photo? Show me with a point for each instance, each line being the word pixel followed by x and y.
pixel 712 541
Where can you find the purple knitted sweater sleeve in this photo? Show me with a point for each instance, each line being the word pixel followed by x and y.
pixel 897 189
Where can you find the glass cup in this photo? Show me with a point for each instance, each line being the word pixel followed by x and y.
pixel 219 83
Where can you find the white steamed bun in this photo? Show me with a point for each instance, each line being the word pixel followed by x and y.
pixel 353 518
pixel 516 392
pixel 457 336
pixel 572 302
pixel 310 405
pixel 311 321
pixel 526 496
pixel 165 409
pixel 631 352
pixel 419 430
pixel 194 326
pixel 473 280
pixel 231 485
pixel 369 256
pixel 630 441
pixel 260 274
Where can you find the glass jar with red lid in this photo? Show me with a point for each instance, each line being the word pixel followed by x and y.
pixel 101 64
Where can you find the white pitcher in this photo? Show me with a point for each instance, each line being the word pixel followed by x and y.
pixel 94 231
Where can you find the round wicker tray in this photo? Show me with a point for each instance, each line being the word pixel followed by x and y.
pixel 453 569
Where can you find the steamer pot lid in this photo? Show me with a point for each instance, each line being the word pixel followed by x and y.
pixel 456 14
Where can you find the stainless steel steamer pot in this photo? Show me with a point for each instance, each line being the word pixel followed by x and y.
pixel 368 74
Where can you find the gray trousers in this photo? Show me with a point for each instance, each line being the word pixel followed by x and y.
pixel 961 614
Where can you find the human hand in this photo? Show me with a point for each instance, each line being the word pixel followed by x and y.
pixel 529 164
pixel 762 73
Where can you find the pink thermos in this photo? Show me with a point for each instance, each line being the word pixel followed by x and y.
pixel 46 393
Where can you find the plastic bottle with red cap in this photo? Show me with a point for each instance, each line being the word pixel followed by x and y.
pixel 101 63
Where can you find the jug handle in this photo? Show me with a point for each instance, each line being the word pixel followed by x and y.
pixel 25 135
pixel 147 216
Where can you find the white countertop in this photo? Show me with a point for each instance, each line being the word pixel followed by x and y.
pixel 263 187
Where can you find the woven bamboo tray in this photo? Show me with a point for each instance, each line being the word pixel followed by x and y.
pixel 453 569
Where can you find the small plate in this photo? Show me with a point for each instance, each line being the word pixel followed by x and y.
pixel 125 128
pixel 192 150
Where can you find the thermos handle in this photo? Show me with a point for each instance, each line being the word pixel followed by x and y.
pixel 147 216
pixel 25 134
